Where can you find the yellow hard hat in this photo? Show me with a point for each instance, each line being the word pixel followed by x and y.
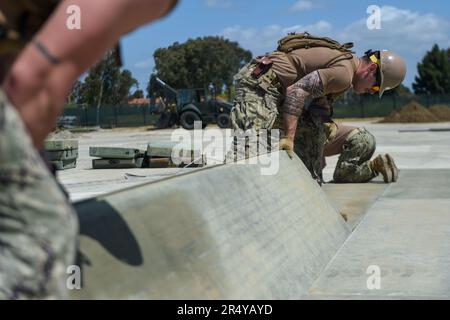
pixel 392 70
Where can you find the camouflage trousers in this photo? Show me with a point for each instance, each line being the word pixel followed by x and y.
pixel 353 163
pixel 38 227
pixel 255 109
pixel 309 142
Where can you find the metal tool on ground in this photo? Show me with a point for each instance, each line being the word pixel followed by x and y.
pixel 159 152
pixel 62 154
pixel 158 155
pixel 115 158
pixel 117 163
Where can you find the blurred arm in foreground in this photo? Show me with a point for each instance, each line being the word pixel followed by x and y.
pixel 40 78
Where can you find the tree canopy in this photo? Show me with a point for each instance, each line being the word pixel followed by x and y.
pixel 433 72
pixel 200 62
pixel 105 84
pixel 138 94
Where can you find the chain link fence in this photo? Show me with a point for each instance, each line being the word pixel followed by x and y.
pixel 109 116
pixel 365 106
pixel 351 106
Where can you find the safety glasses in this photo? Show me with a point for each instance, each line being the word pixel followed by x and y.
pixel 376 86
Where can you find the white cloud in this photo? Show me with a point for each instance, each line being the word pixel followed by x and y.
pixel 408 33
pixel 265 40
pixel 321 27
pixel 302 5
pixel 401 29
pixel 145 64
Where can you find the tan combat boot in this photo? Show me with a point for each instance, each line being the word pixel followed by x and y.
pixel 392 166
pixel 380 164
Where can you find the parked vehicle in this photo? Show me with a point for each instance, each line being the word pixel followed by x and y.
pixel 185 106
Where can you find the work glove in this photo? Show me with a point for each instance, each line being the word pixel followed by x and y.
pixel 288 145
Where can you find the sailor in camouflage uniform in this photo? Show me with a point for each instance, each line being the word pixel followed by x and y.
pixel 272 90
pixel 255 109
pixel 355 147
pixel 38 226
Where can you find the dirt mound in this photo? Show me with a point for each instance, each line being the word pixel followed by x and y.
pixel 441 111
pixel 411 112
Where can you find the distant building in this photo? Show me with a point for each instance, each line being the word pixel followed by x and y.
pixel 139 101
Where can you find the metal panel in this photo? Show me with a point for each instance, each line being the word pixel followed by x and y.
pixel 160 149
pixel 52 145
pixel 223 231
pixel 68 154
pixel 65 164
pixel 114 153
pixel 116 163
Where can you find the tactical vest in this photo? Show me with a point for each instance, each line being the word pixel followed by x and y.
pixel 294 41
pixel 20 20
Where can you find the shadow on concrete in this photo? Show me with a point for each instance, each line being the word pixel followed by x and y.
pixel 351 183
pixel 101 222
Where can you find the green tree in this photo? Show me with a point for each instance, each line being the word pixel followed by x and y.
pixel 123 86
pixel 106 84
pixel 101 81
pixel 138 94
pixel 433 72
pixel 199 62
pixel 76 93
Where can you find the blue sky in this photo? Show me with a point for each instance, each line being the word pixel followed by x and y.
pixel 407 27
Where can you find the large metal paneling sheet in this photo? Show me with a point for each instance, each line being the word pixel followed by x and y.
pixel 224 232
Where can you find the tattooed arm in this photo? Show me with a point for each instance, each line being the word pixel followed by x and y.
pixel 310 86
pixel 322 102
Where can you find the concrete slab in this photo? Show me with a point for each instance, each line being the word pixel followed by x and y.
pixel 411 150
pixel 223 232
pixel 422 184
pixel 354 199
pixel 89 183
pixel 84 182
pixel 406 234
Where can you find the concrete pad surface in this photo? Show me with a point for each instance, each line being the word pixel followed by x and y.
pixel 406 238
pixel 354 199
pixel 402 228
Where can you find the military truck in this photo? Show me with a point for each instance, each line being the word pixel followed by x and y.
pixel 185 106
